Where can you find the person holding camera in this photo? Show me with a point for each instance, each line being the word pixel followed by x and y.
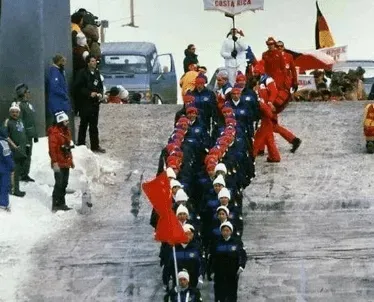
pixel 88 88
pixel 60 145
pixel 17 140
pixel 27 115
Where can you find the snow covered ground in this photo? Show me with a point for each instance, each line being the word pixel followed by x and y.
pixel 31 219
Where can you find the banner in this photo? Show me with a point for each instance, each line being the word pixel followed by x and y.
pixel 339 53
pixel 233 7
pixel 306 82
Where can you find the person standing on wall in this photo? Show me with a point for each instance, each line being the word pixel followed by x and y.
pixel 27 115
pixel 88 87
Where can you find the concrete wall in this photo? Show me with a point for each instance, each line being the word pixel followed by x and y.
pixel 31 32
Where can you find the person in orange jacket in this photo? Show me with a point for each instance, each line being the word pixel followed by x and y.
pixel 274 63
pixel 187 81
pixel 60 145
pixel 369 127
pixel 264 136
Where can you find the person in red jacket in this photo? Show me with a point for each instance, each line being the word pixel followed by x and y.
pixel 274 63
pixel 267 92
pixel 291 76
pixel 60 145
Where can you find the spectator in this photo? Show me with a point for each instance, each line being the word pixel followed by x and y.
pixel 60 145
pixel 27 115
pixel 6 169
pixel 57 88
pixel 88 88
pixel 17 140
pixel 76 26
pixel 190 57
pixel 187 82
pixel 80 53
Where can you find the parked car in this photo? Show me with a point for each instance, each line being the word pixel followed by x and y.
pixel 146 75
pixel 368 65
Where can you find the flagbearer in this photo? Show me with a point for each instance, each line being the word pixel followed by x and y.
pixel 186 292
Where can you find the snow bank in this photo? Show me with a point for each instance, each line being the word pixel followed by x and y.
pixel 31 218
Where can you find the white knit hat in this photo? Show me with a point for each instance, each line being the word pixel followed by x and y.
pixel 181 196
pixel 227 224
pixel 184 274
pixel 219 180
pixel 61 117
pixel 123 93
pixel 14 106
pixel 220 167
pixel 188 227
pixel 224 193
pixel 170 173
pixel 182 209
pixel 223 208
pixel 175 183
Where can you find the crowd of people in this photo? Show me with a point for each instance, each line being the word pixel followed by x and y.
pixel 210 159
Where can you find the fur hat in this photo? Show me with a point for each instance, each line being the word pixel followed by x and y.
pixel 184 274
pixel 181 196
pixel 224 193
pixel 219 180
pixel 223 208
pixel 220 167
pixel 227 224
pixel 182 209
pixel 14 106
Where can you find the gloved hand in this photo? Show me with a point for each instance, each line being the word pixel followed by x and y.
pixel 234 53
pixel 36 140
pixel 295 87
pixel 235 38
pixel 240 270
pixel 200 282
pixel 55 167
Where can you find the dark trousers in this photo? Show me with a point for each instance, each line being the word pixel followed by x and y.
pixel 89 119
pixel 59 190
pixel 225 288
pixel 27 163
pixel 4 189
pixel 18 168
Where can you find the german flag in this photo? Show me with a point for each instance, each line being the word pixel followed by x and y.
pixel 323 35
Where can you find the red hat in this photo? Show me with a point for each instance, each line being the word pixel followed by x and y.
pixel 259 68
pixel 200 79
pixel 188 99
pixel 173 162
pixel 230 122
pixel 176 153
pixel 240 77
pixel 237 89
pixel 227 110
pixel 192 109
pixel 270 40
pixel 210 167
pixel 230 131
pixel 172 147
pixel 178 136
pixel 225 139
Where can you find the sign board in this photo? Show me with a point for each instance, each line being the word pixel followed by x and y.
pixel 339 53
pixel 306 82
pixel 233 7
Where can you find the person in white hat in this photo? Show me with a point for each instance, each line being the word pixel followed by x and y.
pixel 220 169
pixel 219 183
pixel 170 173
pixel 175 185
pixel 186 292
pixel 17 140
pixel 235 214
pixel 227 260
pixel 182 214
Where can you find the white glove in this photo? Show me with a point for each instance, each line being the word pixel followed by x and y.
pixel 200 282
pixel 240 270
pixel 56 168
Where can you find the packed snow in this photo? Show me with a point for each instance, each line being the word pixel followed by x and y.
pixel 31 219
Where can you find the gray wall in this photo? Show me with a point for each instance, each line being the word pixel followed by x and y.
pixel 31 32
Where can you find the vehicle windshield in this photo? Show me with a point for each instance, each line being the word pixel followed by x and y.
pixel 124 64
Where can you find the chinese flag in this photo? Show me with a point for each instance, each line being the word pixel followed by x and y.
pixel 170 230
pixel 158 193
pixel 323 35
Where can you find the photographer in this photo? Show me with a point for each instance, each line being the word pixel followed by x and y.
pixel 88 89
pixel 60 145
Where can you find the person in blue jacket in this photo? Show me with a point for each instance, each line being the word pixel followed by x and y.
pixel 6 169
pixel 57 88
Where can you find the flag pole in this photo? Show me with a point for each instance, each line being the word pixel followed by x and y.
pixel 176 271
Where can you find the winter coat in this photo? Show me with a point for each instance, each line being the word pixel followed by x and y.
pixel 205 102
pixel 291 78
pixel 57 90
pixel 59 140
pixel 188 295
pixel 27 115
pixel 197 136
pixel 228 47
pixel 17 133
pixel 187 81
pixel 6 160
pixel 245 116
pixel 92 34
pixel 275 67
pixel 190 58
pixel 79 61
pixel 225 257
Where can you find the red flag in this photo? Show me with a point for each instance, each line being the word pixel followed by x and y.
pixel 159 193
pixel 170 230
